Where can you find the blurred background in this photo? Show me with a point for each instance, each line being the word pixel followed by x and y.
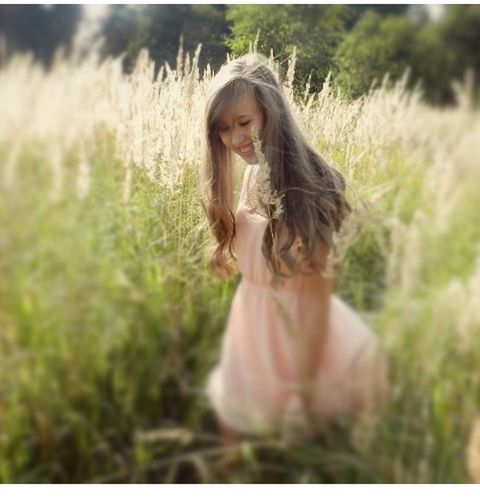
pixel 110 319
pixel 357 43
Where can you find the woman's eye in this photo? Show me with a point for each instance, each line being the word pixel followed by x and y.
pixel 245 123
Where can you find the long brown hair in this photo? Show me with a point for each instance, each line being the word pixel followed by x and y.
pixel 311 191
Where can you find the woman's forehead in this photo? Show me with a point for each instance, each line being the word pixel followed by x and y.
pixel 235 109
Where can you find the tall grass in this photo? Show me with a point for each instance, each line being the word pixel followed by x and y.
pixel 110 320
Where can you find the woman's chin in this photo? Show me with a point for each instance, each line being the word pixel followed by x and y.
pixel 250 158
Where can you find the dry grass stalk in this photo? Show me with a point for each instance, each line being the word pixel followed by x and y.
pixel 473 452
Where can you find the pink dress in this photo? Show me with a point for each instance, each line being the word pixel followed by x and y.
pixel 254 387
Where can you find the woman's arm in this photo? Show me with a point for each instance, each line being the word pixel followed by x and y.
pixel 316 297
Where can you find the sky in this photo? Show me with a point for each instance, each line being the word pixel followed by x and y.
pixel 92 17
pixel 435 11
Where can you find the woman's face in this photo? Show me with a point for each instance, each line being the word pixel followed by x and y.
pixel 236 128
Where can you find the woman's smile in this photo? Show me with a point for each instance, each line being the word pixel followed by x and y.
pixel 237 128
pixel 247 149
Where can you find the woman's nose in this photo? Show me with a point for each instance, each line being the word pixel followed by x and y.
pixel 238 138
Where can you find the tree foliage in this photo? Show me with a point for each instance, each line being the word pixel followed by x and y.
pixel 315 30
pixel 159 27
pixel 118 29
pixel 357 43
pixel 457 41
pixel 376 45
pixel 38 29
pixel 435 53
pixel 356 11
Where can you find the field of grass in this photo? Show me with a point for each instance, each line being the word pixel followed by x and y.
pixel 110 320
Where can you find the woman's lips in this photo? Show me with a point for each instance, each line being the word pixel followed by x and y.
pixel 246 150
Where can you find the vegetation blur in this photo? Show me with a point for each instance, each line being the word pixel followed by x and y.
pixel 109 318
pixel 358 44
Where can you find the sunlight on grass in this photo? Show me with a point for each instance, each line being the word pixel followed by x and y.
pixel 110 320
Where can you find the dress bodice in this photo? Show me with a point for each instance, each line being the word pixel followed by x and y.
pixel 254 388
pixel 250 229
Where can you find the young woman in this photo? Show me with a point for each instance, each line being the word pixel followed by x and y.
pixel 293 353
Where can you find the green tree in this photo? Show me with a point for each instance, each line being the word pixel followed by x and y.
pixel 158 28
pixel 38 29
pixel 356 11
pixel 458 43
pixel 314 29
pixel 436 53
pixel 374 47
pixel 207 24
pixel 118 30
